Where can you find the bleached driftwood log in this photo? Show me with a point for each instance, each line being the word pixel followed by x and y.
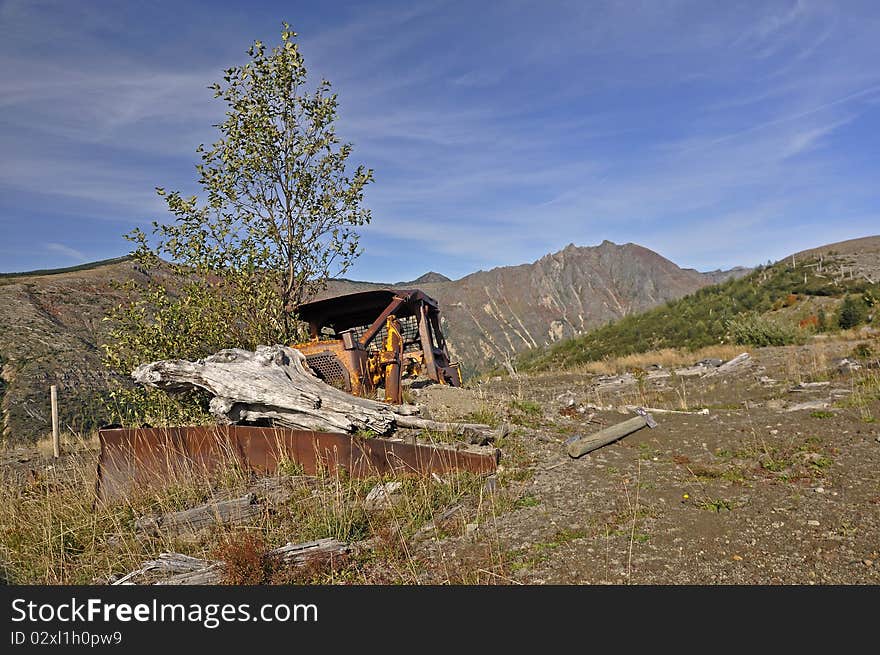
pixel 276 383
pixel 178 569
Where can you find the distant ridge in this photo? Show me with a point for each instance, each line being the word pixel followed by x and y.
pixel 862 245
pixel 69 269
pixel 718 275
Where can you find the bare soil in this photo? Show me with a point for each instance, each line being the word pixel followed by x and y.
pixel 750 493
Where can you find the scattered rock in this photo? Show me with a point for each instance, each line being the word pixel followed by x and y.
pixel 814 523
pixel 846 365
pixel 809 458
pixel 567 399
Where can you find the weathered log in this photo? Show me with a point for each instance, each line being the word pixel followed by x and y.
pixel 275 383
pixel 175 568
pixel 691 371
pixel 810 386
pixel 656 410
pixel 301 554
pixel 225 512
pixel 178 569
pixel 583 445
pixel 810 404
pixel 741 360
pixel 475 433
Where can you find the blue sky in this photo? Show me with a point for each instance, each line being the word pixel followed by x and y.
pixel 716 133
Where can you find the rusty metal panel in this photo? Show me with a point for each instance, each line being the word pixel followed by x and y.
pixel 134 460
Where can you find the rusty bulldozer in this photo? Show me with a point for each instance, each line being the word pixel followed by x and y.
pixel 363 341
pixel 305 403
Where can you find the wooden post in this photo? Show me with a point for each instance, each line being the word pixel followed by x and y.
pixel 56 435
pixel 578 446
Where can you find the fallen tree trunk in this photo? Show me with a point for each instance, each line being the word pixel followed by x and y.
pixel 275 383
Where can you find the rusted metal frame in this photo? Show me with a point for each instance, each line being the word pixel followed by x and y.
pixel 434 317
pixel 427 344
pixel 138 459
pixel 373 330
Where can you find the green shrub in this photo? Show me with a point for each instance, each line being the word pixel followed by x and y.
pixel 754 330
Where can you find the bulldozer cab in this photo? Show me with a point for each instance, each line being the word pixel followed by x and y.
pixel 363 341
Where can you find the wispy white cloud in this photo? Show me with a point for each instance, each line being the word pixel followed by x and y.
pixel 67 251
pixel 497 131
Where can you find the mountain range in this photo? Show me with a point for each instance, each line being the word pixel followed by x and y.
pixel 491 316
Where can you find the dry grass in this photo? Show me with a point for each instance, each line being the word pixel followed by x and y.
pixel 70 443
pixel 865 390
pixel 52 533
pixel 667 358
pixel 808 365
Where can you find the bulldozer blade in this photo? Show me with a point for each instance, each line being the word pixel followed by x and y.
pixel 137 459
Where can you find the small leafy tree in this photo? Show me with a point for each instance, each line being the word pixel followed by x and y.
pixel 852 312
pixel 279 215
